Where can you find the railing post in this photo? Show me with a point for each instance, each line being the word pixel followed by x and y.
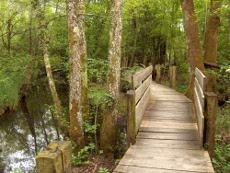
pixel 210 114
pixel 56 158
pixel 131 120
pixel 158 73
pixel 172 70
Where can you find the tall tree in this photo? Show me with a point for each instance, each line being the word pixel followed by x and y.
pixel 211 35
pixel 83 58
pixel 75 41
pixel 43 40
pixel 193 51
pixel 229 22
pixel 109 122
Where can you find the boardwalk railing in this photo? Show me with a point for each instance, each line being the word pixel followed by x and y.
pixel 205 108
pixel 199 89
pixel 138 100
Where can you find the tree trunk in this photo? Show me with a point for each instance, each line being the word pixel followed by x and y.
pixel 9 33
pixel 194 53
pixel 43 38
pixel 229 24
pixel 27 80
pixel 75 40
pixel 135 24
pixel 108 130
pixel 83 56
pixel 56 100
pixel 211 35
pixel 30 33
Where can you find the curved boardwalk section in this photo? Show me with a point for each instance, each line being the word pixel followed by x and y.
pixel 167 141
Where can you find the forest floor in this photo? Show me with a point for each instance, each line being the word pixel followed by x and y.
pixel 96 164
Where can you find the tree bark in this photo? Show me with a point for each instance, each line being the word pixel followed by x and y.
pixel 194 53
pixel 43 38
pixel 108 130
pixel 211 35
pixel 83 56
pixel 76 122
pixel 229 24
pixel 56 100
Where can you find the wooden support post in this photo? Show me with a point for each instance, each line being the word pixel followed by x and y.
pixel 173 77
pixel 210 121
pixel 158 73
pixel 131 120
pixel 56 158
pixel 170 72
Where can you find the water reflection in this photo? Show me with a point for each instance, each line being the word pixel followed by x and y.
pixel 26 131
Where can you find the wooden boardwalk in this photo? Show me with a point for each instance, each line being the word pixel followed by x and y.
pixel 167 141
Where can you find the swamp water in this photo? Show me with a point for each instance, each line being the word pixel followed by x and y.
pixel 27 131
pixel 31 127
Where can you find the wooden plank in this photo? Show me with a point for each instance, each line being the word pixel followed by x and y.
pixel 200 93
pixel 167 130
pixel 168 125
pixel 172 159
pixel 136 169
pixel 191 136
pixel 141 76
pixel 175 98
pixel 141 107
pixel 185 119
pixel 200 77
pixel 159 143
pixel 142 88
pixel 200 116
pixel 168 112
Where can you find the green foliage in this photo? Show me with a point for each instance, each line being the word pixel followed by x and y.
pixel 63 116
pixel 90 129
pixel 126 76
pixel 223 121
pixel 12 74
pixel 103 170
pixel 97 70
pixel 221 161
pixel 100 97
pixel 82 155
pixel 17 171
pixel 224 79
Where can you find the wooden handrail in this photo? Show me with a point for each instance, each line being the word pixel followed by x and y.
pixel 138 100
pixel 199 85
pixel 205 108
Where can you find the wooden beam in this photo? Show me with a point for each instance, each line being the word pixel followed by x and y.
pixel 210 121
pixel 142 88
pixel 200 93
pixel 141 107
pixel 200 116
pixel 200 77
pixel 139 77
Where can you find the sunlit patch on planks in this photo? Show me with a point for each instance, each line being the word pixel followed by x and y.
pixel 167 141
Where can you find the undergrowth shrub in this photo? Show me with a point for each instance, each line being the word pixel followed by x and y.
pixel 11 74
